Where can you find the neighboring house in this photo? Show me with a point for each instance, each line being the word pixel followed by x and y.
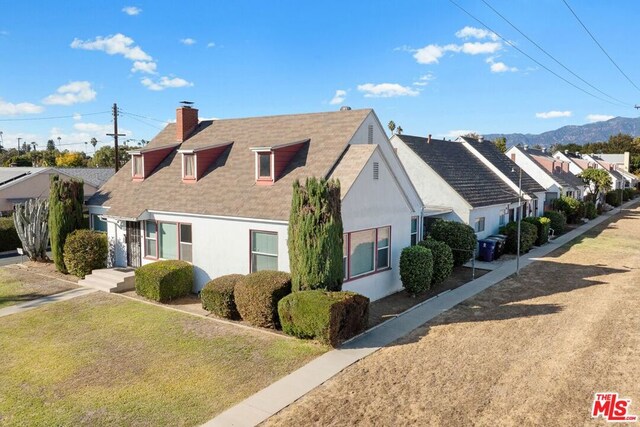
pixel 18 184
pixel 447 174
pixel 621 160
pixel 217 193
pixel 618 181
pixel 552 174
pixel 533 193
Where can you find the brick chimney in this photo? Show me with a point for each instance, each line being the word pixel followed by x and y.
pixel 186 122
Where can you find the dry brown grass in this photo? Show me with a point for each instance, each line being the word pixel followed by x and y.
pixel 531 350
pixel 20 284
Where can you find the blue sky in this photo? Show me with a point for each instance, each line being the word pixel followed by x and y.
pixel 424 64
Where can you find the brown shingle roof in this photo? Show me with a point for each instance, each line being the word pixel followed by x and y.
pixel 228 188
pixel 351 164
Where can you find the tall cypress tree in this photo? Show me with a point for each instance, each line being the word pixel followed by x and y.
pixel 65 214
pixel 315 236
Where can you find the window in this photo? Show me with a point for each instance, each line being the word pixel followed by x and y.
pixel 376 170
pixel 503 218
pixel 414 230
pixel 150 239
pixel 98 224
pixel 264 165
pixel 366 251
pixel 383 248
pixel 137 165
pixel 168 240
pixel 535 207
pixel 264 251
pixel 185 242
pixel 189 165
pixel 479 224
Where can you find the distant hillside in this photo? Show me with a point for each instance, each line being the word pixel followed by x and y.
pixel 592 132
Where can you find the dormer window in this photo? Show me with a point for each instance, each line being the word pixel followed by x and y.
pixel 147 159
pixel 273 161
pixel 264 166
pixel 197 160
pixel 138 169
pixel 189 162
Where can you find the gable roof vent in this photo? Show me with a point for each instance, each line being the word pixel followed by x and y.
pixel 376 170
pixel 370 135
pixel 345 108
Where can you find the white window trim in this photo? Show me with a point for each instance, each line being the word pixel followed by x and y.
pixel 252 252
pixel 271 165
pixel 133 168
pixel 417 232
pixel 195 167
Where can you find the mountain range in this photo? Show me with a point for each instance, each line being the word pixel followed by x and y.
pixel 591 132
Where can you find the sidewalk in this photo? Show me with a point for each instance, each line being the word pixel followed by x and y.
pixel 30 305
pixel 287 390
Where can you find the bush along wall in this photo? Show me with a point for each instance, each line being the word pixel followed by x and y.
pixel 442 260
pixel 9 239
pixel 459 237
pixel 613 198
pixel 528 236
pixel 329 317
pixel 85 251
pixel 257 296
pixel 163 281
pixel 218 296
pixel 558 221
pixel 542 225
pixel 416 269
pixel 590 210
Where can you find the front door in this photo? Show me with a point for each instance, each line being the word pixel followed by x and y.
pixel 133 239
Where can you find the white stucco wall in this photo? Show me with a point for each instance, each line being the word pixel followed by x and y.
pixel 534 170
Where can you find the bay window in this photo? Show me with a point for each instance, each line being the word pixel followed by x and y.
pixel 264 251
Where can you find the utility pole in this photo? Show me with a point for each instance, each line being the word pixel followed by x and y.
pixel 19 139
pixel 115 135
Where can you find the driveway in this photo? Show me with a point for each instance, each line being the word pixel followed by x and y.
pixel 531 350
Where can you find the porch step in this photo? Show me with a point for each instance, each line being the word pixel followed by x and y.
pixel 110 280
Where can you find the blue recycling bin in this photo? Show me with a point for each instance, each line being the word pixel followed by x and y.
pixel 500 246
pixel 487 249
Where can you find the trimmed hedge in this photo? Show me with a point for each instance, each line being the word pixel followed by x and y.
pixel 217 296
pixel 163 281
pixel 9 239
pixel 442 259
pixel 590 210
pixel 573 209
pixel 542 226
pixel 613 198
pixel 85 251
pixel 257 296
pixel 329 317
pixel 627 194
pixel 416 269
pixel 528 236
pixel 558 221
pixel 460 237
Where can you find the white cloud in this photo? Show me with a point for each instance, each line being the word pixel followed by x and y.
pixel 72 93
pixel 164 83
pixel 132 10
pixel 477 48
pixel 553 114
pixel 424 80
pixel 11 109
pixel 144 67
pixel 77 116
pixel 211 44
pixel 598 117
pixel 499 67
pixel 75 139
pixel 118 44
pixel 457 133
pixel 431 54
pixel 188 41
pixel 476 33
pixel 386 90
pixel 339 97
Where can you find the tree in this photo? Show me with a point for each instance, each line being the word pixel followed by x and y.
pixel 391 126
pixel 315 236
pixel 70 159
pixel 598 180
pixel 105 157
pixel 65 214
pixel 472 135
pixel 94 142
pixel 501 144
pixel 51 145
pixel 400 130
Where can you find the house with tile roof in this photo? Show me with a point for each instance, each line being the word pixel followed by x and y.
pixel 533 193
pixel 18 184
pixel 217 193
pixel 449 175
pixel 551 173
pixel 618 180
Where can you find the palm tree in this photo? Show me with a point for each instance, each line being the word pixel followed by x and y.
pixel 400 130
pixel 94 142
pixel 391 126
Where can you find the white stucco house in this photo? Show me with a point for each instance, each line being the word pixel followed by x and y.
pixel 618 180
pixel 217 193
pixel 449 175
pixel 551 173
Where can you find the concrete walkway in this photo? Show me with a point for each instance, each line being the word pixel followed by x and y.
pixel 287 390
pixel 30 305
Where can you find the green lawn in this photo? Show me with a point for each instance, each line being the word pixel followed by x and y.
pixel 104 360
pixel 17 286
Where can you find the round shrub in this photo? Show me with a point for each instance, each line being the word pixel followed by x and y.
pixel 627 194
pixel 459 237
pixel 257 296
pixel 85 251
pixel 416 269
pixel 217 296
pixel 329 317
pixel 542 225
pixel 573 209
pixel 590 210
pixel 558 221
pixel 163 281
pixel 442 259
pixel 613 198
pixel 528 236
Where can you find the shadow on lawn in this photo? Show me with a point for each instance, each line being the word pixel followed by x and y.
pixel 17 299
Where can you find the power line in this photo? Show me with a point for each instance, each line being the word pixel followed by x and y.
pixel 144 117
pixel 551 56
pixel 599 45
pixel 530 57
pixel 52 117
pixel 141 121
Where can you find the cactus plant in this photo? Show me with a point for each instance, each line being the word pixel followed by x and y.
pixel 31 221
